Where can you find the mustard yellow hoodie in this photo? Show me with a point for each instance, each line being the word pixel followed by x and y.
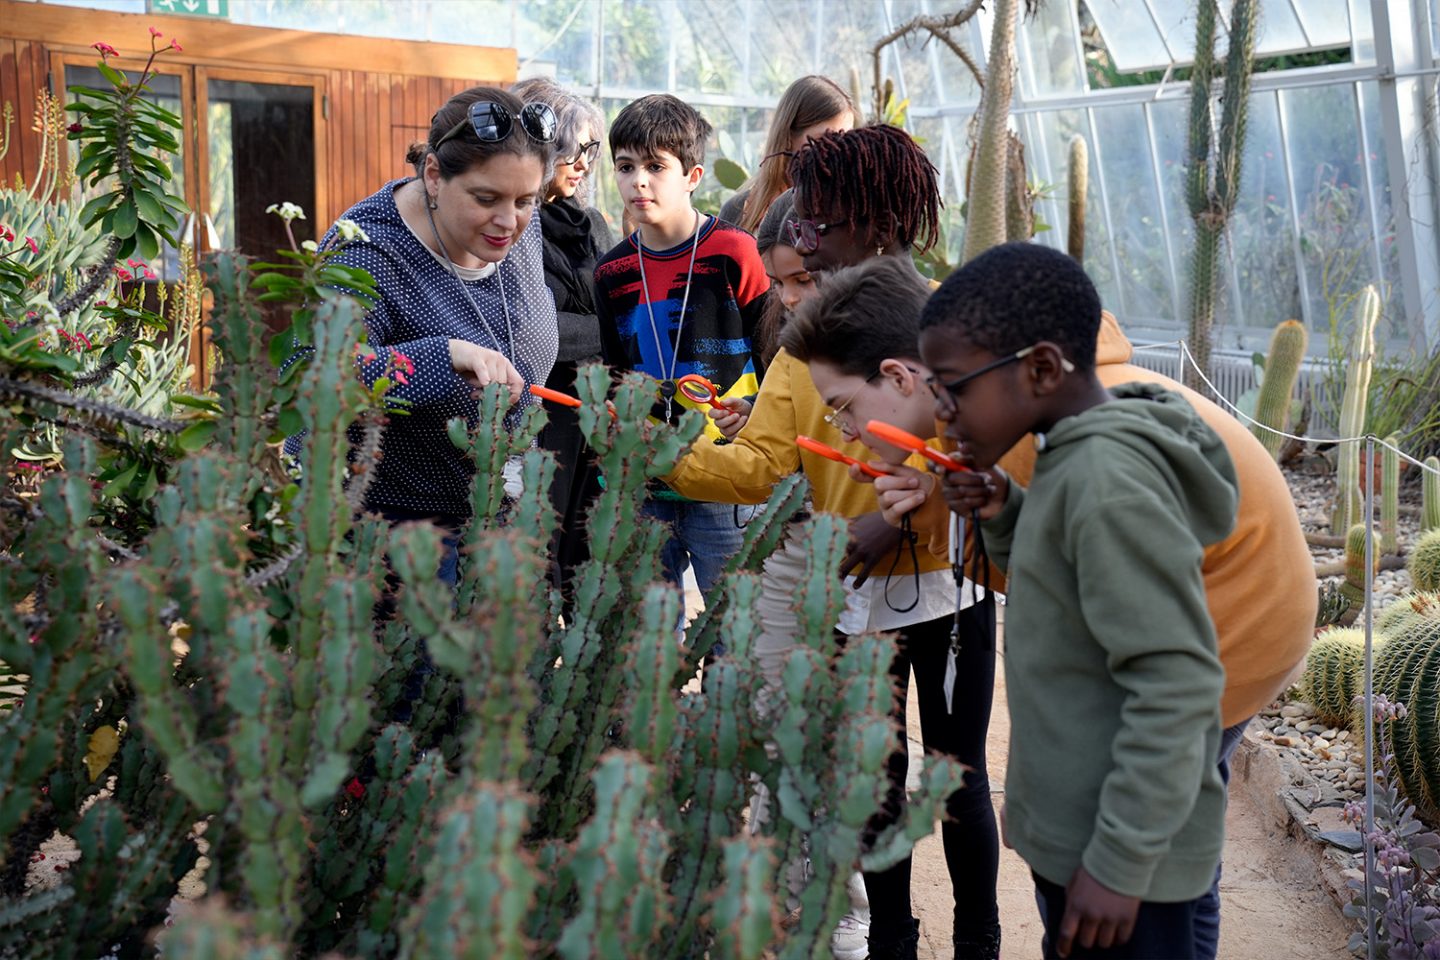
pixel 1259 581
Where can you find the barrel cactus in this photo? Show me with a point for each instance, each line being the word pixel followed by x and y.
pixel 1333 675
pixel 1282 369
pixel 1416 610
pixel 1424 563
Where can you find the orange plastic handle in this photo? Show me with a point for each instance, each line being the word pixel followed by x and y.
pixel 829 452
pixel 908 441
pixel 565 400
pixel 554 396
pixel 700 390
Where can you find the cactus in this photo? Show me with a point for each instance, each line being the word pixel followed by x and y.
pixel 1078 185
pixel 1352 411
pixel 1333 674
pixel 1282 368
pixel 985 221
pixel 1390 496
pixel 1430 495
pixel 1353 589
pixel 1424 562
pixel 1212 173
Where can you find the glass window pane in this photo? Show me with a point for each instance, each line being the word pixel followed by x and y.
pixel 1049 50
pixel 1395 327
pixel 1326 21
pixel 1050 131
pixel 1130 34
pixel 1177 23
pixel 1362 30
pixel 1123 158
pixel 1279 30
pixel 636 44
pixel 1326 157
pixel 783 40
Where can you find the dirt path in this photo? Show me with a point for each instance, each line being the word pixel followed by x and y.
pixel 1272 905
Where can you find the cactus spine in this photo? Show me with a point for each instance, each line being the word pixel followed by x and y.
pixel 1424 564
pixel 1213 170
pixel 985 224
pixel 1332 677
pixel 1430 494
pixel 1078 186
pixel 1390 497
pixel 1352 411
pixel 1353 589
pixel 1282 369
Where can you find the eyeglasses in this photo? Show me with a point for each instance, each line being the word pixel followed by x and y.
pixel 946 393
pixel 836 417
pixel 589 151
pixel 493 122
pixel 805 234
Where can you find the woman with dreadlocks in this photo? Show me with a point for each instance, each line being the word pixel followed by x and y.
pixel 862 194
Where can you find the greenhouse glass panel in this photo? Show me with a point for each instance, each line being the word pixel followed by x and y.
pixel 1169 123
pixel 1386 251
pixel 850 30
pixel 783 39
pixel 557 32
pixel 1130 34
pixel 1052 129
pixel 1049 63
pixel 710 40
pixel 637 42
pixel 1326 22
pixel 1333 211
pixel 1261 235
pixel 1279 30
pixel 1123 158
pixel 1177 23
pixel 1362 32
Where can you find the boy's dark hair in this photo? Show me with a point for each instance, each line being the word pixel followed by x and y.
pixel 877 176
pixel 1017 294
pixel 661 122
pixel 861 316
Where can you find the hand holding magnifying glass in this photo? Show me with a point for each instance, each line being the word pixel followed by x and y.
pixel 830 453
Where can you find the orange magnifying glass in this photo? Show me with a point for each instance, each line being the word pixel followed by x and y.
pixel 700 390
pixel 564 399
pixel 906 440
pixel 830 453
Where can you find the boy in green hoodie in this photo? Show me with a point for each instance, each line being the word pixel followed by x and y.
pixel 1112 794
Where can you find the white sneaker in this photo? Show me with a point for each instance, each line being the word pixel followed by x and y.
pixel 851 939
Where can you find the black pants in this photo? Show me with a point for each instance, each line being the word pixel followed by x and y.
pixel 970 837
pixel 1163 931
pixel 576 481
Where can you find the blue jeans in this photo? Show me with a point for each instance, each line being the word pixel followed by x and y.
pixel 1207 908
pixel 703 536
pixel 1163 931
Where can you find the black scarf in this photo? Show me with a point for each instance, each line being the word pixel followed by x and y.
pixel 569 253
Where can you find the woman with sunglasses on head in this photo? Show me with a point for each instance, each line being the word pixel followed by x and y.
pixel 455 255
pixel 809 107
pixel 860 195
pixel 573 236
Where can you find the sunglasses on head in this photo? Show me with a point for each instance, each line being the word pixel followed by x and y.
pixel 493 122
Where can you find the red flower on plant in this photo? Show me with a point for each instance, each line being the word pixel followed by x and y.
pixel 355 788
pixel 34 247
pixel 156 33
pixel 175 45
pixel 105 50
pixel 6 234
pixel 403 362
pixel 76 127
pixel 124 274
pixel 149 274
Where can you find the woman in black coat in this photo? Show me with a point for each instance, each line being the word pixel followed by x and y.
pixel 574 234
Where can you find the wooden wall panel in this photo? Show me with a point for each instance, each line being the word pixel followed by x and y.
pixel 24 69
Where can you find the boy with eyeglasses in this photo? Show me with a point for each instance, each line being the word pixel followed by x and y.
pixel 681 295
pixel 1112 793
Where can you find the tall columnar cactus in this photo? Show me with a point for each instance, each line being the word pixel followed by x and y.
pixel 1355 573
pixel 1390 497
pixel 1424 563
pixel 1352 411
pixel 1077 187
pixel 985 225
pixel 1212 175
pixel 1282 369
pixel 1430 494
pixel 1332 677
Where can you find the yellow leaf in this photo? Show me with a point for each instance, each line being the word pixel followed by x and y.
pixel 103 744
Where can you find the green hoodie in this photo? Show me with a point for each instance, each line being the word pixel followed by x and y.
pixel 1110 659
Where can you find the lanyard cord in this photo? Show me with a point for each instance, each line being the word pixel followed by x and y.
pixel 668 391
pixel 907 538
pixel 508 349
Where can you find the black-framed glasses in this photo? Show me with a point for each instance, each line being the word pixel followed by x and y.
pixel 946 393
pixel 836 417
pixel 589 151
pixel 805 234
pixel 493 122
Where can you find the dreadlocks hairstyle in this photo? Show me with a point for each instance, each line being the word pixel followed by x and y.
pixel 878 177
pixel 1017 294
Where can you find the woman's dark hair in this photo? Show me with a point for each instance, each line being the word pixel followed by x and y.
pixel 862 315
pixel 465 150
pixel 878 177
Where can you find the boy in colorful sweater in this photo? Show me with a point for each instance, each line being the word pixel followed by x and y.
pixel 682 294
pixel 1112 793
